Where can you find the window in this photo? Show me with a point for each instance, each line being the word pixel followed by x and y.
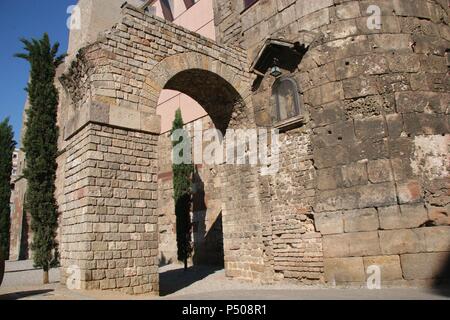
pixel 189 3
pixel 167 8
pixel 286 98
pixel 249 3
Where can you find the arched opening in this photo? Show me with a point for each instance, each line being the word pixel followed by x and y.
pixel 207 101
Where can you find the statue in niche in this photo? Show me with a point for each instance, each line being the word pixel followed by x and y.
pixel 286 96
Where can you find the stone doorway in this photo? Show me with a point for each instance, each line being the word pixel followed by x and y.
pixel 219 100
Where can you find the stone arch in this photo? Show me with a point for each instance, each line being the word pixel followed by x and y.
pixel 224 93
pixel 158 78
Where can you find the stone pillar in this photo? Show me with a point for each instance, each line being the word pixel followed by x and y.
pixel 109 233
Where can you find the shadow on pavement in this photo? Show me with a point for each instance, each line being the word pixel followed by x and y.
pixel 23 294
pixel 175 280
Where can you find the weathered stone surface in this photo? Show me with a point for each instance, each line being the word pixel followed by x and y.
pixel 351 244
pixel 361 220
pixel 409 192
pixel 341 270
pixel 380 171
pixel 377 195
pixel 424 265
pixel 305 7
pixel 390 266
pixel 402 241
pixel 329 179
pixel 354 174
pixel 404 216
pixel 329 222
pixel 439 215
pixel 437 239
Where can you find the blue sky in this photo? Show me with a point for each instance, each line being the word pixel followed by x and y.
pixel 29 19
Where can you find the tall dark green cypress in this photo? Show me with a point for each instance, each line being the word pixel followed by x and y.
pixel 7 145
pixel 182 181
pixel 40 147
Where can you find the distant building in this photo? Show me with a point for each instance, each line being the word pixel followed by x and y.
pixel 15 162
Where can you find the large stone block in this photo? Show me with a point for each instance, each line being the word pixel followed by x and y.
pixel 411 8
pixel 404 63
pixel 402 169
pixel 354 174
pixel 331 156
pixel 439 215
pixel 361 220
pixel 386 6
pixel 342 270
pixel 390 24
pixel 348 10
pixel 324 94
pixel 423 266
pixel 315 20
pixel 409 192
pixel 403 217
pixel 335 134
pixel 333 200
pixel 328 114
pixel 360 65
pixel 329 179
pixel 370 128
pixel 306 7
pixel 369 150
pixel 380 171
pixel 355 244
pixel 361 86
pixel 389 265
pixel 425 123
pixel 329 222
pixel 377 195
pixel 421 101
pixel 396 42
pixel 402 241
pixel 436 238
pixel 361 197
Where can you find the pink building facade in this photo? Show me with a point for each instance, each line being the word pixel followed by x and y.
pixel 197 16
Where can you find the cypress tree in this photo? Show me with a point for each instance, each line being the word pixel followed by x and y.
pixel 182 180
pixel 41 150
pixel 7 145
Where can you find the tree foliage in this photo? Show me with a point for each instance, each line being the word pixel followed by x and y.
pixel 182 181
pixel 41 150
pixel 7 145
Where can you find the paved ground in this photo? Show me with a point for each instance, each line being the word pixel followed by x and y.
pixel 23 282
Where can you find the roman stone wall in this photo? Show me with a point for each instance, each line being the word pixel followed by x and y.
pixel 369 167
